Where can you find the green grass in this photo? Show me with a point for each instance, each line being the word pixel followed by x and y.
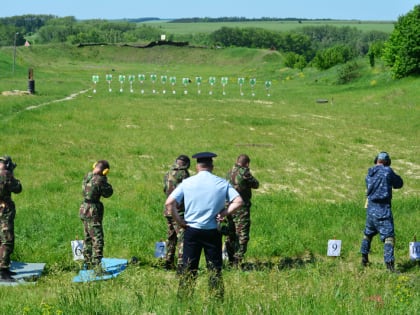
pixel 283 26
pixel 310 158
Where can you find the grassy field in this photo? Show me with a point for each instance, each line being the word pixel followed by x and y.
pixel 283 26
pixel 310 158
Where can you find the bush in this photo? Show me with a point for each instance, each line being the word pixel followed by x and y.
pixel 348 72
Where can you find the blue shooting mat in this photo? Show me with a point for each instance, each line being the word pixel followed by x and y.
pixel 26 273
pixel 112 267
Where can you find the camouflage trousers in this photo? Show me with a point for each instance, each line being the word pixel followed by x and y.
pixel 7 235
pixel 93 234
pixel 174 242
pixel 382 225
pixel 238 234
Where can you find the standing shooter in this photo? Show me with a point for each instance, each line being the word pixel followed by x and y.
pixel 239 224
pixel 380 180
pixel 175 234
pixel 95 185
pixel 8 185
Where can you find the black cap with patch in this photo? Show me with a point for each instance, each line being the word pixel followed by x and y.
pixel 204 157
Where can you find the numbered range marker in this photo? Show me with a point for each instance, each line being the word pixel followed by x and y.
pixel 160 250
pixel 95 79
pixel 212 82
pixel 153 77
pixel 253 81
pixel 163 80
pixel 131 79
pixel 77 249
pixel 241 82
pixel 108 79
pixel 268 87
pixel 121 78
pixel 198 81
pixel 415 250
pixel 172 80
pixel 185 82
pixel 142 78
pixel 224 81
pixel 334 248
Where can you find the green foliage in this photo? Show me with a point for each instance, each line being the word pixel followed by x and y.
pixel 293 60
pixel 261 38
pixel 375 51
pixel 402 50
pixel 348 72
pixel 330 57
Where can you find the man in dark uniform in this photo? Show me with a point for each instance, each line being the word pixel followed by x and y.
pixel 8 185
pixel 204 196
pixel 240 223
pixel 95 185
pixel 177 173
pixel 380 180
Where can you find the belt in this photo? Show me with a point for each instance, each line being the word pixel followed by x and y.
pixel 90 201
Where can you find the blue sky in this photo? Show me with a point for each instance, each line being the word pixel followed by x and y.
pixel 116 9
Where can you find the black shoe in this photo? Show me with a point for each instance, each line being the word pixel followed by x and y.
pixel 9 272
pixel 365 260
pixel 6 277
pixel 390 266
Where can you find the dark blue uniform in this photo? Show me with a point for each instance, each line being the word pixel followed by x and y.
pixel 380 180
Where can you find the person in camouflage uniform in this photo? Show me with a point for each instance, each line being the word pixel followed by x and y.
pixel 8 185
pixel 177 173
pixel 239 224
pixel 95 185
pixel 380 180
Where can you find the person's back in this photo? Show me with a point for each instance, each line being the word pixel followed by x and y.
pixel 379 181
pixel 202 205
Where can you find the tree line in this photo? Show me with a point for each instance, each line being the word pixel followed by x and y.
pixel 321 46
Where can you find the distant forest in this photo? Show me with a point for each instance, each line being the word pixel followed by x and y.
pixel 320 46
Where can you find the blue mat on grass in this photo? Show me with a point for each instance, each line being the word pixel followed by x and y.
pixel 26 272
pixel 112 266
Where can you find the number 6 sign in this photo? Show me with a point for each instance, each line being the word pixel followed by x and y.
pixel 77 249
pixel 334 248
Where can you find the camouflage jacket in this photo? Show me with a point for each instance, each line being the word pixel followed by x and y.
pixel 94 187
pixel 172 179
pixel 8 185
pixel 380 180
pixel 242 180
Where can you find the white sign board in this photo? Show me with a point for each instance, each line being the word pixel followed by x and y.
pixel 334 248
pixel 77 249
pixel 160 250
pixel 415 250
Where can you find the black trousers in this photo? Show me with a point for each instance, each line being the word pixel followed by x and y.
pixel 196 240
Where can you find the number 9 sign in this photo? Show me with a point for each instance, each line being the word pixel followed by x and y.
pixel 334 248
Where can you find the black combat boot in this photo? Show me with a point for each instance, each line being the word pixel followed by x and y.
pixel 6 275
pixel 365 260
pixel 390 266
